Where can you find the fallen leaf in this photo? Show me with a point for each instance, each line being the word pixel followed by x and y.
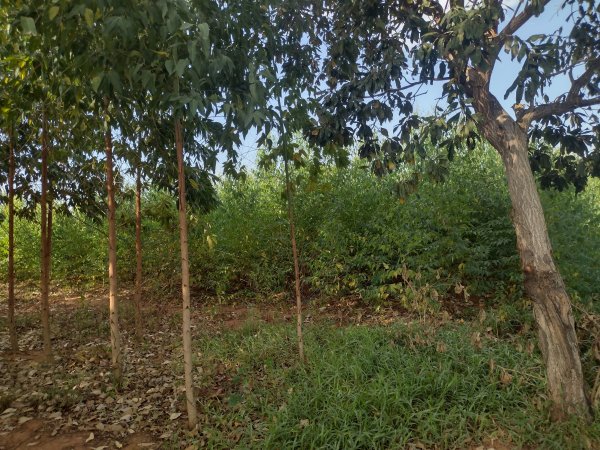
pixel 174 416
pixel 90 437
pixel 505 378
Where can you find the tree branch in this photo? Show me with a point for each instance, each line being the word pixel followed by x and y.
pixel 520 19
pixel 553 109
pixel 573 99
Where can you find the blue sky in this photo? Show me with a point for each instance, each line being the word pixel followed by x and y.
pixel 504 73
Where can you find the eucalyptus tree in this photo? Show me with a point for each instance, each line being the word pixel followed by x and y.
pixel 11 65
pixel 208 66
pixel 379 55
pixel 135 145
pixel 31 77
pixel 12 331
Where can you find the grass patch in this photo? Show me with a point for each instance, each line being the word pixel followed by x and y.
pixel 376 387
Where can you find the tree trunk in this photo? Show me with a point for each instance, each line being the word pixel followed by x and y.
pixel 115 336
pixel 290 213
pixel 185 284
pixel 12 329
pixel 44 288
pixel 544 284
pixel 49 237
pixel 138 254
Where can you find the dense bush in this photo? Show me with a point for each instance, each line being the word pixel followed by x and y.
pixel 356 235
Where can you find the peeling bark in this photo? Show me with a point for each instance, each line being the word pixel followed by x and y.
pixel 543 283
pixel 545 287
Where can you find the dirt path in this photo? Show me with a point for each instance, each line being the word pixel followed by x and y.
pixel 35 434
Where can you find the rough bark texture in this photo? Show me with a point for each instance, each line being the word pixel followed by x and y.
pixel 138 255
pixel 44 260
pixel 290 213
pixel 543 283
pixel 190 400
pixel 12 330
pixel 115 335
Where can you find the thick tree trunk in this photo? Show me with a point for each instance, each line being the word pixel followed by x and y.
pixel 44 288
pixel 12 329
pixel 290 213
pixel 138 255
pixel 185 284
pixel 544 284
pixel 115 335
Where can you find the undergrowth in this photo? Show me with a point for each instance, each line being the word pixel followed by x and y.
pixel 357 235
pixel 448 386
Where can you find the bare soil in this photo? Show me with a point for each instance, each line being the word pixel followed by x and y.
pixel 71 402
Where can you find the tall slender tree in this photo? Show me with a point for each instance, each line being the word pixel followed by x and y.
pixel 138 253
pixel 185 282
pixel 45 255
pixel 290 214
pixel 115 333
pixel 12 331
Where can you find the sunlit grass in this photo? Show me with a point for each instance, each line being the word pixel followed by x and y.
pixel 375 387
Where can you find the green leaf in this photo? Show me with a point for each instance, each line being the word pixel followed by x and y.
pixel 28 25
pixel 514 51
pixel 88 15
pixel 181 65
pixel 96 81
pixel 115 81
pixel 536 37
pixel 204 31
pixel 53 12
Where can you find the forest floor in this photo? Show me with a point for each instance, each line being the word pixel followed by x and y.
pixel 72 402
pixel 251 389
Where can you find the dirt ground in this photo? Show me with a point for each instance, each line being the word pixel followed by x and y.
pixel 72 402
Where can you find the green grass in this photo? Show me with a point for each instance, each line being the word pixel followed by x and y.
pixel 374 387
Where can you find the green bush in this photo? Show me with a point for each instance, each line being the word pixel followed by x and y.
pixel 356 236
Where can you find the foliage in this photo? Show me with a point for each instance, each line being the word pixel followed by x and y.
pixel 373 387
pixel 355 234
pixel 373 71
pixel 576 251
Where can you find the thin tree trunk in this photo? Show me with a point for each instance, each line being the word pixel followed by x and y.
pixel 185 284
pixel 12 329
pixel 115 336
pixel 138 254
pixel 44 288
pixel 545 286
pixel 296 264
pixel 49 237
